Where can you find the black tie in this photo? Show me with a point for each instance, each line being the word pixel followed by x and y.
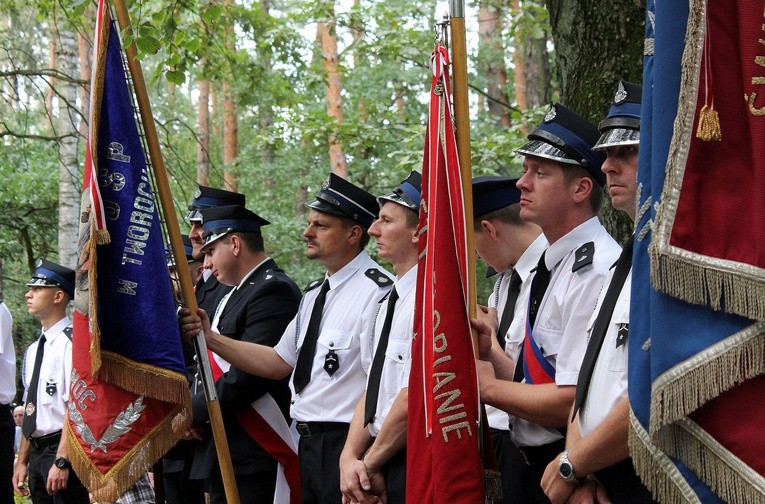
pixel 375 374
pixel 30 418
pixel 602 321
pixel 513 289
pixel 307 352
pixel 537 293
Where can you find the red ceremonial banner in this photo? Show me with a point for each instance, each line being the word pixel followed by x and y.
pixel 443 460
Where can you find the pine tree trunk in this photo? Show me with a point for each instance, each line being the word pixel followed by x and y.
pixel 491 59
pixel 203 133
pixel 536 59
pixel 69 167
pixel 330 56
pixel 230 124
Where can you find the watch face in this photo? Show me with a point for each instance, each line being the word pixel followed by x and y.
pixel 62 463
pixel 565 470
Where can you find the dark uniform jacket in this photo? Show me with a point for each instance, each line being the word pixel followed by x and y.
pixel 258 312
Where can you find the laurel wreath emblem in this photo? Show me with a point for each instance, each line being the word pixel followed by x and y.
pixel 120 427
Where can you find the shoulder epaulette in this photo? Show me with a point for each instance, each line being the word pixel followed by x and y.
pixel 583 256
pixel 378 277
pixel 68 332
pixel 313 284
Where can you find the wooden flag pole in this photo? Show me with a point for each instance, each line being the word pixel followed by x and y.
pixel 179 254
pixel 462 132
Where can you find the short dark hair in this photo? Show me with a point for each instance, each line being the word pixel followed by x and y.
pixel 348 223
pixel 511 214
pixel 572 172
pixel 412 219
pixel 253 241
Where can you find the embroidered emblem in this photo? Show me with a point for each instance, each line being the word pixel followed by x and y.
pixel 198 193
pixel 583 256
pixel 550 117
pixel 622 333
pixel 621 94
pixel 120 427
pixel 313 284
pixel 325 185
pixel 331 363
pixel 30 409
pixel 50 388
pixel 378 277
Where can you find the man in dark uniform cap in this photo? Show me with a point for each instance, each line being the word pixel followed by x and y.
pixel 46 375
pixel 321 344
pixel 263 299
pixel 512 247
pixel 208 291
pixel 561 191
pixel 375 451
pixel 596 458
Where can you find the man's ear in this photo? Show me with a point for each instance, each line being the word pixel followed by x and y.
pixel 581 190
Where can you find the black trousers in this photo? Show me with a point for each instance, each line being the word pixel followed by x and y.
pixel 319 456
pixel 511 466
pixel 537 458
pixel 623 485
pixel 40 462
pixel 7 435
pixel 395 478
pixel 255 488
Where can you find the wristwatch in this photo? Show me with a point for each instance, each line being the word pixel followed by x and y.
pixel 63 463
pixel 566 468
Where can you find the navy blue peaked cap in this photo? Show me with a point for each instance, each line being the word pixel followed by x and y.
pixel 209 197
pixel 217 222
pixel 622 125
pixel 339 197
pixel 50 274
pixel 493 193
pixel 566 137
pixel 187 249
pixel 407 194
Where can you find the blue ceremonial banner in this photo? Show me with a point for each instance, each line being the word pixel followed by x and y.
pixel 130 397
pixel 688 364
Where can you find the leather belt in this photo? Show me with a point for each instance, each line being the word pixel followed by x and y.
pixel 306 429
pixel 44 441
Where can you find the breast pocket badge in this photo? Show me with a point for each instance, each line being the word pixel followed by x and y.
pixel 50 388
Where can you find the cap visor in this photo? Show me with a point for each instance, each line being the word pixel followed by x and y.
pixel 617 136
pixel 321 206
pixel 545 150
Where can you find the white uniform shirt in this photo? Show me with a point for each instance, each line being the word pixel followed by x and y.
pixel 398 355
pixel 499 419
pixel 7 357
pixel 560 329
pixel 333 398
pixel 609 376
pixel 55 376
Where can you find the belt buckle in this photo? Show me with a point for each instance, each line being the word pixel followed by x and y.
pixel 303 429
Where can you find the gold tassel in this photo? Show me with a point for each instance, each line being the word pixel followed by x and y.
pixel 492 482
pixel 709 125
pixel 102 237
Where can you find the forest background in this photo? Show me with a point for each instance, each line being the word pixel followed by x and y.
pixel 268 97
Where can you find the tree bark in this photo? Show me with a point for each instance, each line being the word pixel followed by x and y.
pixel 536 59
pixel 330 56
pixel 597 44
pixel 230 124
pixel 203 132
pixel 51 80
pixel 69 167
pixel 492 60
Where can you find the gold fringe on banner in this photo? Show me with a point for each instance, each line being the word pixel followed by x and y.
pixel 727 475
pixel 492 485
pixel 144 379
pixel 108 487
pixel 697 281
pixel 92 265
pixel 709 125
pixel 685 387
pixel 657 471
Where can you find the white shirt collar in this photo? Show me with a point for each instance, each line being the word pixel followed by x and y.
pixel 407 281
pixel 530 257
pixel 53 331
pixel 574 238
pixel 348 270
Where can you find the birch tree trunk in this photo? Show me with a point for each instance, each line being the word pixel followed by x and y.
pixel 69 167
